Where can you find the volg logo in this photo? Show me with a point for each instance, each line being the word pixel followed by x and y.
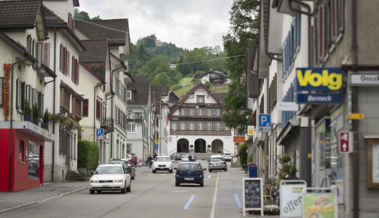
pixel 319 79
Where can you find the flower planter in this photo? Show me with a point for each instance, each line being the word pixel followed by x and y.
pixel 28 117
pixel 35 120
pixel 45 126
pixel 266 192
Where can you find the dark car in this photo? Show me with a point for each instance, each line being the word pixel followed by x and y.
pixel 127 164
pixel 176 156
pixel 189 172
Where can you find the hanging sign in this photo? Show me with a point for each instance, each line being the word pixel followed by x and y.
pixel 7 68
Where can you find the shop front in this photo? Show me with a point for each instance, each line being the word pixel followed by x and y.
pixel 22 160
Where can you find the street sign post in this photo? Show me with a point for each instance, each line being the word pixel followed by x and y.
pixel 345 142
pixel 250 130
pixel 264 123
pixel 99 133
pixel 156 145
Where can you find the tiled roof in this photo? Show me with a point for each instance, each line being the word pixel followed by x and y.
pixel 140 89
pixel 114 30
pixel 157 90
pixel 219 73
pixel 220 97
pixel 95 56
pixel 173 98
pixel 51 17
pixel 19 14
pixel 164 90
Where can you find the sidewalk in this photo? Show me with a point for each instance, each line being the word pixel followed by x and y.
pixel 13 200
pixel 229 194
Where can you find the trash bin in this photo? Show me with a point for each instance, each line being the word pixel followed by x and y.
pixel 253 170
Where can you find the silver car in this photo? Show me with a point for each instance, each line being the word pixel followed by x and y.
pixel 162 163
pixel 217 163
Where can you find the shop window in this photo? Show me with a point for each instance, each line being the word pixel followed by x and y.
pixel 33 164
pixel 21 152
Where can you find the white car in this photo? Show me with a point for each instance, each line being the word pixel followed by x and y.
pixel 110 177
pixel 227 156
pixel 162 163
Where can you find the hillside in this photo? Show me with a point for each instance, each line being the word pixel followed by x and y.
pixel 180 92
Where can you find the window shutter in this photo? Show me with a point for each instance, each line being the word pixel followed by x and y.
pixel 39 54
pixel 67 63
pixel 85 108
pixel 17 94
pixel 298 27
pixel 73 25
pixel 77 71
pixel 321 32
pixel 69 20
pixel 97 108
pixel 61 58
pixel 22 96
pixel 46 54
pixel 73 69
pixel 340 16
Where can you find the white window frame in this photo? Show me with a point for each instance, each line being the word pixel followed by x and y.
pixel 218 112
pixel 191 111
pixel 200 112
pixel 200 126
pixel 218 126
pixel 182 125
pixel 173 125
pixel 132 128
pixel 209 125
pixel 182 111
pixel 209 112
pixel 200 97
pixel 226 128
pixel 129 95
pixel 192 126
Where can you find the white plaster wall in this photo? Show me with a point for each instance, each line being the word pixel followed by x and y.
pixel 61 8
pixel 207 98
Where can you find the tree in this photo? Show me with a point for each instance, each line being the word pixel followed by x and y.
pixel 143 55
pixel 244 31
pixel 162 79
pixel 207 85
pixel 82 15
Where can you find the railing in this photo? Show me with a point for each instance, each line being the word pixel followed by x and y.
pixel 107 124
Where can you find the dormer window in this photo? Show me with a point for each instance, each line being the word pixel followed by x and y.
pixel 200 99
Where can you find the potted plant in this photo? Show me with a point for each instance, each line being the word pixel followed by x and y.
pixel 27 112
pixel 35 114
pixel 45 124
pixel 209 149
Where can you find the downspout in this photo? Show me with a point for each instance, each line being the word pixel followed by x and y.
pixel 53 150
pixel 94 106
pixel 11 126
pixel 354 49
pixel 112 120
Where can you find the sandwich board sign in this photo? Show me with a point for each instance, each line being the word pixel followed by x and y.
pixel 320 203
pixel 252 194
pixel 291 198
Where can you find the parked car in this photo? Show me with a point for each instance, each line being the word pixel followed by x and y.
pixel 110 177
pixel 176 156
pixel 185 158
pixel 162 163
pixel 127 164
pixel 217 163
pixel 227 156
pixel 189 172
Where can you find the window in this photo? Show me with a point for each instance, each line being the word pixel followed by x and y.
pixel 191 111
pixel 200 126
pixel 21 152
pixel 182 111
pixel 131 127
pixel 218 112
pixel 209 126
pixel 209 112
pixel 200 112
pixel 75 70
pixel 173 125
pixel 218 126
pixel 191 125
pixel 226 128
pixel 129 95
pixel 85 108
pixel 182 125
pixel 200 99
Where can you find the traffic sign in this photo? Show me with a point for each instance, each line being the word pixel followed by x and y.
pixel 345 142
pixel 250 130
pixel 156 145
pixel 99 133
pixel 355 116
pixel 264 123
pixel 156 141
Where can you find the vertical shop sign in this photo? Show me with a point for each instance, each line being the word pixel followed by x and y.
pixel 7 68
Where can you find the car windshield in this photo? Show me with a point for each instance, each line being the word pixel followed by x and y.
pixel 217 159
pixel 192 167
pixel 109 170
pixel 116 162
pixel 163 159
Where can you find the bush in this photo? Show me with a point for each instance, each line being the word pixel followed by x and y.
pixel 27 109
pixel 286 158
pixel 251 158
pixel 207 85
pixel 286 168
pixel 176 87
pixel 46 117
pixel 35 111
pixel 195 81
pixel 88 154
pixel 242 154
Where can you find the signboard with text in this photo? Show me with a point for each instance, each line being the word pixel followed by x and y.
pixel 99 133
pixel 364 79
pixel 291 198
pixel 320 205
pixel 264 123
pixel 250 130
pixel 345 140
pixel 252 193
pixel 319 79
pixel 319 98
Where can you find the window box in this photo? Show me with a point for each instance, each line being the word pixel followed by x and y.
pixel 45 126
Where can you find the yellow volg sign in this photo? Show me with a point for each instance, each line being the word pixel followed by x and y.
pixel 319 79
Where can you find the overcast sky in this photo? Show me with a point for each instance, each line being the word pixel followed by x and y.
pixel 186 23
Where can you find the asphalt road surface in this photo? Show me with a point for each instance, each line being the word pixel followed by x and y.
pixel 152 195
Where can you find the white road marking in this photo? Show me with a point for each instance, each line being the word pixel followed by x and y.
pixel 189 202
pixel 238 200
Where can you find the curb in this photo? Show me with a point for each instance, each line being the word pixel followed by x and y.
pixel 41 201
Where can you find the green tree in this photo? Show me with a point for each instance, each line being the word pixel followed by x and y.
pixel 82 15
pixel 161 79
pixel 143 55
pixel 207 85
pixel 244 29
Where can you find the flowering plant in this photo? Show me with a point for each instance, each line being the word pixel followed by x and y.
pixel 271 209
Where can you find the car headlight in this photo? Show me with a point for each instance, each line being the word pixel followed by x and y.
pixel 94 181
pixel 155 165
pixel 118 180
pixel 169 165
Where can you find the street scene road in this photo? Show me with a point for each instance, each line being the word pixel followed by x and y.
pixel 151 195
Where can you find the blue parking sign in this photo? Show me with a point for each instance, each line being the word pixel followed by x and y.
pixel 156 146
pixel 99 133
pixel 264 120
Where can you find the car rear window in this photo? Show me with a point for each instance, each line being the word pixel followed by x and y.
pixel 116 162
pixel 109 170
pixel 217 159
pixel 192 167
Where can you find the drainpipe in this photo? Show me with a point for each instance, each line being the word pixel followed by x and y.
pixel 11 126
pixel 354 49
pixel 112 119
pixel 94 107
pixel 53 150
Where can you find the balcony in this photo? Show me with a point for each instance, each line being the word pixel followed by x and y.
pixel 107 124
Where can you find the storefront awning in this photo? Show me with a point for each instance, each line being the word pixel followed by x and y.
pixel 286 132
pixel 30 129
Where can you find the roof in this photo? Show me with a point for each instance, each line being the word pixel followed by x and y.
pixel 115 30
pixel 173 98
pixel 252 80
pixel 220 97
pixel 19 14
pixel 96 56
pixel 190 92
pixel 140 89
pixel 156 94
pixel 75 2
pixel 219 73
pixel 165 90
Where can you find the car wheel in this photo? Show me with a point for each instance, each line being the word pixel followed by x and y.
pixel 128 189
pixel 154 171
pixel 225 169
pixel 92 191
pixel 177 183
pixel 210 171
pixel 202 184
pixel 170 171
pixel 124 189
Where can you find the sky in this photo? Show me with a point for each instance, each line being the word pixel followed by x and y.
pixel 186 23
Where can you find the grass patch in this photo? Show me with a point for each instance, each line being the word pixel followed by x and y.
pixel 182 91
